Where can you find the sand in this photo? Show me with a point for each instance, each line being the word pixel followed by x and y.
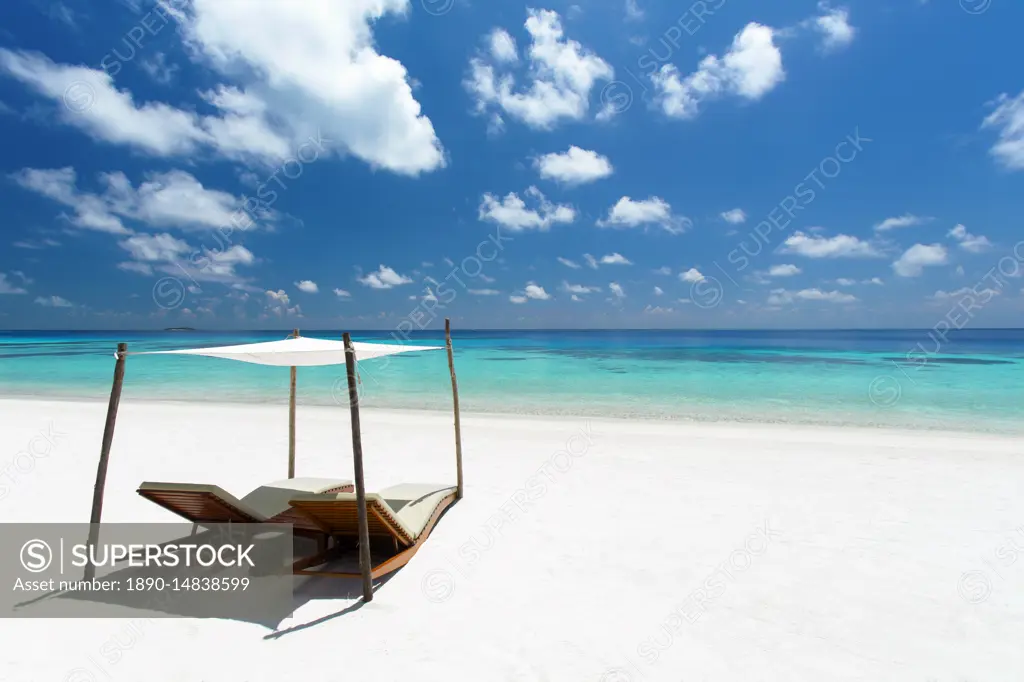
pixel 584 550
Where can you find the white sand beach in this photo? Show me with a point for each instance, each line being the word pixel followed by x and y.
pixel 584 550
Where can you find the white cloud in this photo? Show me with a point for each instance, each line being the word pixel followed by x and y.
pixel 840 246
pixel 574 167
pixel 969 242
pixel 691 275
pixel 734 216
pixel 484 292
pixel 658 291
pixel 569 263
pixel 905 220
pixel 617 290
pixel 633 11
pixel 158 68
pixel 847 282
pixel 307 286
pixel 591 261
pixel 1008 119
pixel 54 302
pixel 560 76
pixel 503 46
pixel 277 304
pixel 34 244
pixel 341 293
pixel 536 292
pixel 750 69
pixel 171 199
pixel 301 71
pixel 834 26
pixel 176 257
pixel 919 256
pixel 579 288
pixel 384 278
pixel 87 99
pixel 943 296
pixel 518 300
pixel 320 69
pixel 615 259
pixel 664 270
pixel 784 297
pixel 627 213
pixel 512 212
pixel 785 270
pixel 657 310
pixel 7 287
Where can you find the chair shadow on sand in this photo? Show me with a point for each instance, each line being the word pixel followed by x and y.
pixel 273 593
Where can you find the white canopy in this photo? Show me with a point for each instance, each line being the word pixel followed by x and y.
pixel 296 352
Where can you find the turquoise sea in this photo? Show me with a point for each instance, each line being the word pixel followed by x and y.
pixel 972 381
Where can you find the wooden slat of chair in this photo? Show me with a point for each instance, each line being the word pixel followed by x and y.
pixel 198 506
pixel 392 563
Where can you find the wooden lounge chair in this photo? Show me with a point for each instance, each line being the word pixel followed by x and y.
pixel 400 518
pixel 203 503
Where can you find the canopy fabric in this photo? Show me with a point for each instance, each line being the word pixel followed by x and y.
pixel 296 352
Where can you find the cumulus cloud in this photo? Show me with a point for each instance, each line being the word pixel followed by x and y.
pixel 750 69
pixel 1007 119
pixel 569 263
pixel 578 288
pixel 8 287
pixel 536 292
pixel 920 256
pixel 615 259
pixel 905 220
pixel 785 297
pixel 834 27
pixel 574 167
pixel 384 278
pixel 559 76
pixel 168 254
pixel 734 216
pixel 53 302
pixel 512 212
pixel 503 46
pixel 691 275
pixel 630 213
pixel 277 303
pixel 285 74
pixel 970 242
pixel 307 286
pixel 840 246
pixel 785 270
pixel 174 199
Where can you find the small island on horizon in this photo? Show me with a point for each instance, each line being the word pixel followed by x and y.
pixel 179 329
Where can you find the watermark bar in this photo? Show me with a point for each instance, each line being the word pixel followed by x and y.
pixel 239 571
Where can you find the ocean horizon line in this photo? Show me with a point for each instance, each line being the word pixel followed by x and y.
pixel 525 329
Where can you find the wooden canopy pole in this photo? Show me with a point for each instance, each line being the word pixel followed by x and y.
pixel 357 459
pixel 291 419
pixel 101 469
pixel 455 399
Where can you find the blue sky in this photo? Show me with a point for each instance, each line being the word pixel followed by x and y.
pixel 366 164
